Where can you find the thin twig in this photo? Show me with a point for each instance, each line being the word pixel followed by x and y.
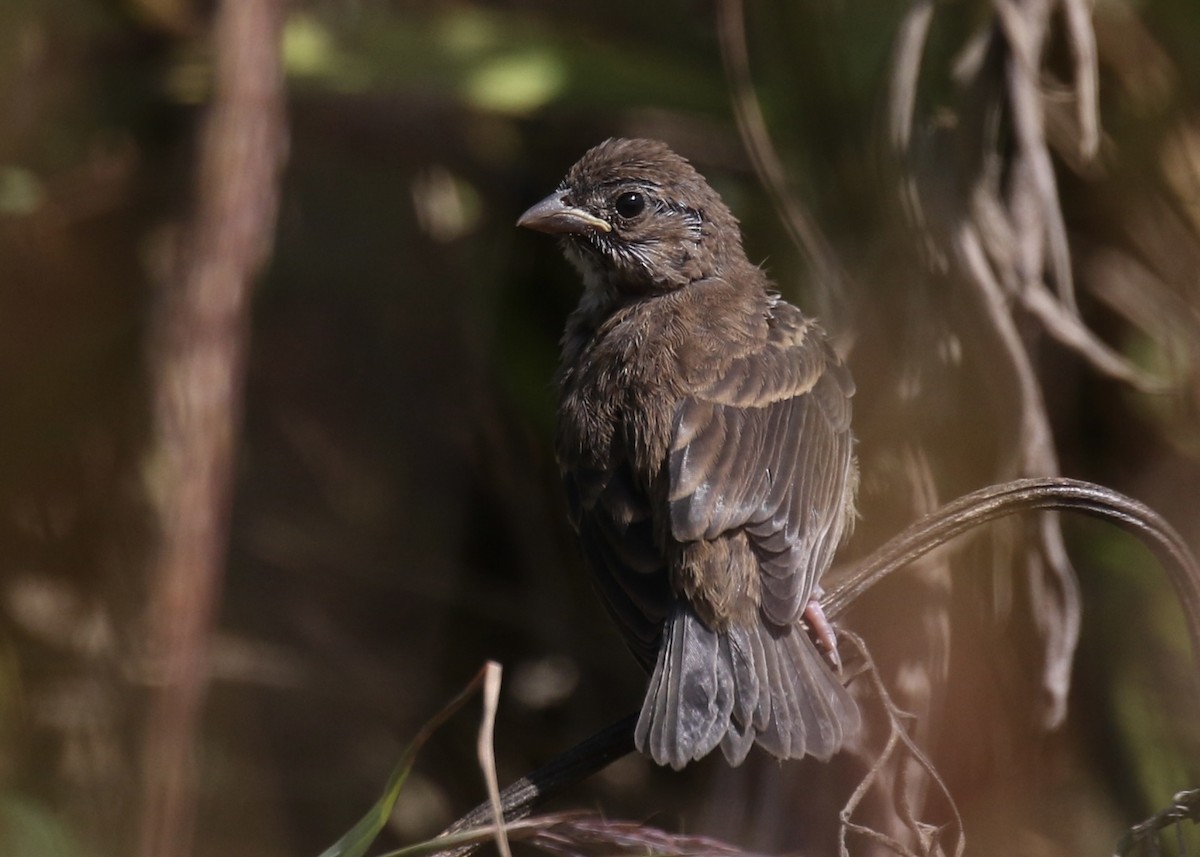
pixel 1185 806
pixel 898 736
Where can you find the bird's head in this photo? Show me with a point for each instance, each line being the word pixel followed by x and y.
pixel 636 218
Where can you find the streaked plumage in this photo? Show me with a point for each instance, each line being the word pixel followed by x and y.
pixel 704 438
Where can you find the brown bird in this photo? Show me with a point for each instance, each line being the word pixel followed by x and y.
pixel 704 439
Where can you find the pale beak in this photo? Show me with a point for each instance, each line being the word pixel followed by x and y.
pixel 556 217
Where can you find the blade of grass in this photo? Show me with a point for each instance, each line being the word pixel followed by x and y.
pixel 358 839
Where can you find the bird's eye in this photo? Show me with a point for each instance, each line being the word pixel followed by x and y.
pixel 631 204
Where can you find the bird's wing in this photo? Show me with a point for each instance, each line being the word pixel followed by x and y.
pixel 616 530
pixel 767 448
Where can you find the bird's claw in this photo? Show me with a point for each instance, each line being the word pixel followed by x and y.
pixel 822 630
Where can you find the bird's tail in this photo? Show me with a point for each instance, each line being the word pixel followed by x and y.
pixel 746 685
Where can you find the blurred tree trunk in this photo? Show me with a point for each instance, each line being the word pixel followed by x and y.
pixel 198 355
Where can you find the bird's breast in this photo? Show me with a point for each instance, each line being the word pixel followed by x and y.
pixel 619 402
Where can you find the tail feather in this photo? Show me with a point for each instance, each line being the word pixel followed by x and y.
pixel 772 735
pixel 820 709
pixel 746 694
pixel 751 684
pixel 690 700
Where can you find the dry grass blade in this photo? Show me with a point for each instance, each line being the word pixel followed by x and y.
pixel 591 835
pixel 487 751
pixel 523 830
pixel 581 835
pixel 570 766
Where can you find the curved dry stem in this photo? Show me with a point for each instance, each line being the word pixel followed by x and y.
pixel 1032 495
pixel 804 232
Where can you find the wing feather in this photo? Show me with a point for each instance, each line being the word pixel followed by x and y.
pixel 767 449
pixel 616 529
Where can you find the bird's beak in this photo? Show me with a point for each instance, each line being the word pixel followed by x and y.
pixel 556 217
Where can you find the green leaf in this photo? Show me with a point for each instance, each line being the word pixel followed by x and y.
pixel 358 839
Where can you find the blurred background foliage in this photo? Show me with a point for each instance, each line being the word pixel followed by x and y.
pixel 397 518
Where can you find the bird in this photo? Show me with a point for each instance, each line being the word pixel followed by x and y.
pixel 705 445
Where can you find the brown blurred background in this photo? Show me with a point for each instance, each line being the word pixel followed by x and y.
pixel 396 518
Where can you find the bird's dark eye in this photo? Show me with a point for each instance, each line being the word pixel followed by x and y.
pixel 630 204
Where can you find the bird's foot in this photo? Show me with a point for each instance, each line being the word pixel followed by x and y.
pixel 822 630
